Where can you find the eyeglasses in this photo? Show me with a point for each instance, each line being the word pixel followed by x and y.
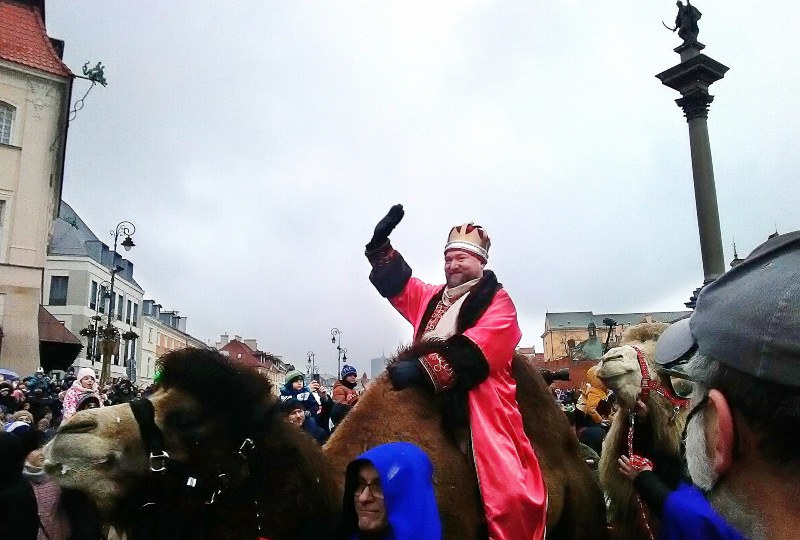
pixel 374 488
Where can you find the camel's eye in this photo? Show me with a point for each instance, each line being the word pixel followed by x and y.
pixel 182 421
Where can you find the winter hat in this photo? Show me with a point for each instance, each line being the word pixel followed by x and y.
pixel 23 416
pixel 291 404
pixel 292 376
pixel 348 370
pixel 84 372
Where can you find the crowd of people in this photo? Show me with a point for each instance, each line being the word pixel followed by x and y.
pixel 31 410
pixel 740 352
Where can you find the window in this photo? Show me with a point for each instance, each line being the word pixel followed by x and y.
pixel 120 307
pixel 58 290
pixel 150 335
pixel 3 204
pixel 93 296
pixel 128 312
pixel 103 298
pixel 6 121
pixel 135 314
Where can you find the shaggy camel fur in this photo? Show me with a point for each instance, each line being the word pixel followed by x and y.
pixel 657 431
pixel 205 406
pixel 575 502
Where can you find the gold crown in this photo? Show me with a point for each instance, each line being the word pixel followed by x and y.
pixel 469 237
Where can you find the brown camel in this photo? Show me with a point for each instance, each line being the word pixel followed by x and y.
pixel 207 408
pixel 657 428
pixel 236 468
pixel 575 502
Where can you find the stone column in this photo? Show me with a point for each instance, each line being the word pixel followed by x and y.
pixel 692 78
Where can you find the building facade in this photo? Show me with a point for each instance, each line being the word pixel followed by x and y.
pixel 35 93
pixel 162 331
pixel 246 350
pixel 77 281
pixel 565 331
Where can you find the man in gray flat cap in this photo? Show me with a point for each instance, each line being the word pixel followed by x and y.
pixel 743 429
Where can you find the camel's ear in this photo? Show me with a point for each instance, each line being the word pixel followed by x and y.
pixel 720 434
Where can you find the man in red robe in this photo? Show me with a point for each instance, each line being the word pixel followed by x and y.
pixel 473 327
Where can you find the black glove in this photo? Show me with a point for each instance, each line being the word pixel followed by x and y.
pixel 405 373
pixel 385 226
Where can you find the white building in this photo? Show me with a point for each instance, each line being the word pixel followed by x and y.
pixel 35 93
pixel 77 284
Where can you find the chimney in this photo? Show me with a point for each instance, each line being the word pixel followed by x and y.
pixel 252 343
pixel 223 339
pixel 237 338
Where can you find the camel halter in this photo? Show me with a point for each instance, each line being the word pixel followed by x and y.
pixel 160 462
pixel 649 384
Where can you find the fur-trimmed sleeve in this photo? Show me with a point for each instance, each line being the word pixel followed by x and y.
pixel 390 272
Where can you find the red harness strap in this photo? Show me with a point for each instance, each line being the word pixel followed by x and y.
pixel 639 462
pixel 649 384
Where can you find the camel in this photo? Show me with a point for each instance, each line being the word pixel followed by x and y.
pixel 657 429
pixel 235 468
pixel 208 407
pixel 575 502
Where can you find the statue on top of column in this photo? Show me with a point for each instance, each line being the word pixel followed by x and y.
pixel 686 21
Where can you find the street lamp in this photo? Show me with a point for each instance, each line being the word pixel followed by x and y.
pixel 336 338
pixel 312 368
pixel 91 332
pixel 110 334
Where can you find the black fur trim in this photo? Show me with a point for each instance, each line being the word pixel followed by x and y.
pixel 469 365
pixel 390 272
pixel 467 360
pixel 474 306
pixel 478 301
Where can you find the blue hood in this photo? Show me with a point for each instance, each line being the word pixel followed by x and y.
pixel 406 479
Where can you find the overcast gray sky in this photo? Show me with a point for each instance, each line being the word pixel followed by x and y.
pixel 255 145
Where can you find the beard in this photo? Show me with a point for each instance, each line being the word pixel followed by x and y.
pixel 700 468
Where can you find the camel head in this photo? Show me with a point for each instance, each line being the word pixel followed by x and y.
pixel 205 406
pixel 619 367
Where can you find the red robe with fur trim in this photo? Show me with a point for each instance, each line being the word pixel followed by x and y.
pixel 511 484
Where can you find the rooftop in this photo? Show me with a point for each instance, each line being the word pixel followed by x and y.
pixel 24 40
pixel 581 319
pixel 73 238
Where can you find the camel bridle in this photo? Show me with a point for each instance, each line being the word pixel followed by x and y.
pixel 209 489
pixel 653 385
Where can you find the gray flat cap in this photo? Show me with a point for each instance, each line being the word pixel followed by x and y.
pixel 749 318
pixel 674 348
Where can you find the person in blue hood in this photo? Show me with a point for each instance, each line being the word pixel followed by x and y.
pixel 388 495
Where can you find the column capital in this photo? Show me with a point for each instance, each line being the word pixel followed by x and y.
pixel 695 104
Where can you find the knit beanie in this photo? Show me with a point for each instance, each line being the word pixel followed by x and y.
pixel 348 370
pixel 292 376
pixel 291 404
pixel 23 416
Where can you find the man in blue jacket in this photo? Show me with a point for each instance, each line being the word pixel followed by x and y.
pixel 388 495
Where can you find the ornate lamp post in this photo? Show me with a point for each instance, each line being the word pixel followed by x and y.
pixel 341 353
pixel 311 369
pixel 110 335
pixel 91 332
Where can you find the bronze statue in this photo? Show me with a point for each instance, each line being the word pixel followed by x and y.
pixel 686 21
